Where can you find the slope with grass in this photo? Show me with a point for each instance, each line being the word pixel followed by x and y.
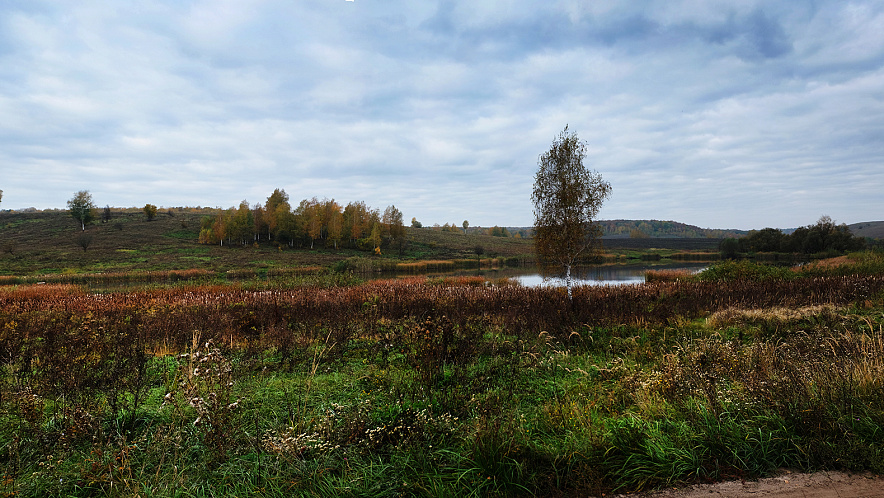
pixel 51 242
pixel 870 229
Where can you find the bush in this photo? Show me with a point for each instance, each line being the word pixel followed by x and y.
pixel 745 270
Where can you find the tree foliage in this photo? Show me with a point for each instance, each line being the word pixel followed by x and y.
pixel 393 224
pixel 821 237
pixel 277 208
pixel 567 198
pixel 82 208
pixel 312 222
pixel 150 211
pixel 497 231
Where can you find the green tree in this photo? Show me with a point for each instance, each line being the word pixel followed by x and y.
pixel 466 224
pixel 497 231
pixel 240 223
pixel 288 227
pixel 311 214
pixel 394 227
pixel 392 221
pixel 1 196
pixel 277 208
pixel 82 208
pixel 567 198
pixel 729 248
pixel 260 216
pixel 764 240
pixel 207 230
pixel 150 211
pixel 375 238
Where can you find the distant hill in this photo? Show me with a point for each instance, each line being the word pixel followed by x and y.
pixel 638 229
pixel 871 229
pixel 655 228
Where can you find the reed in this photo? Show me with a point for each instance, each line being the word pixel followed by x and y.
pixel 425 266
pixel 105 278
pixel 667 275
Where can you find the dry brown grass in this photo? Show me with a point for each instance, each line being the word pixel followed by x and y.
pixel 667 275
pixel 42 291
pixel 424 266
pixel 781 315
pixel 830 263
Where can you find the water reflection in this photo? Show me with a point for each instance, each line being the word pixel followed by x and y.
pixel 605 275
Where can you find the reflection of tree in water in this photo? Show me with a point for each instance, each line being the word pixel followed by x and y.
pixel 617 274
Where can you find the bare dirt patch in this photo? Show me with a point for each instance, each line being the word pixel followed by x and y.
pixel 786 485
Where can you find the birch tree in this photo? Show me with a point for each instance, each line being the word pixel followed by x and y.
pixel 82 208
pixel 567 198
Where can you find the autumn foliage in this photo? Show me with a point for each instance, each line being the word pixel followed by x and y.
pixel 312 221
pixel 41 316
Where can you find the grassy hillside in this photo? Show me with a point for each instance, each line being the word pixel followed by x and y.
pixel 36 243
pixel 871 229
pixel 50 242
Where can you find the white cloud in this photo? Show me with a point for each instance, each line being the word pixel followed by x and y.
pixel 722 114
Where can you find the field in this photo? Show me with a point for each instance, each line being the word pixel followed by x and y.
pixel 322 385
pixel 48 246
pixel 35 244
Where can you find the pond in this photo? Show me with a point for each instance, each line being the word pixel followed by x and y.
pixel 606 274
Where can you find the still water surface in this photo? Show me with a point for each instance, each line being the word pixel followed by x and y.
pixel 606 274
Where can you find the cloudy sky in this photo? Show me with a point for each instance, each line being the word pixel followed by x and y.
pixel 723 114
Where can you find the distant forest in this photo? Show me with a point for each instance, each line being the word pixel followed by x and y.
pixel 619 229
pixel 638 229
pixel 821 237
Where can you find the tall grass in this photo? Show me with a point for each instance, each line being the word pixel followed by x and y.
pixel 439 387
pixel 165 276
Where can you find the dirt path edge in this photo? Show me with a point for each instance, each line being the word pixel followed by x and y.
pixel 786 484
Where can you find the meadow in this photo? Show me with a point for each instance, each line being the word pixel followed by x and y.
pixel 47 246
pixel 325 385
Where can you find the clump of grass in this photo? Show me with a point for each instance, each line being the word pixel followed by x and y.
pixel 667 275
pixel 772 317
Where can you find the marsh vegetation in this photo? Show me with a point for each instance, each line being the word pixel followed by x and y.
pixel 325 385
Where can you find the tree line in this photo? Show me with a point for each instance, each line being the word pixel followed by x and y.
pixel 824 236
pixel 639 229
pixel 312 222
